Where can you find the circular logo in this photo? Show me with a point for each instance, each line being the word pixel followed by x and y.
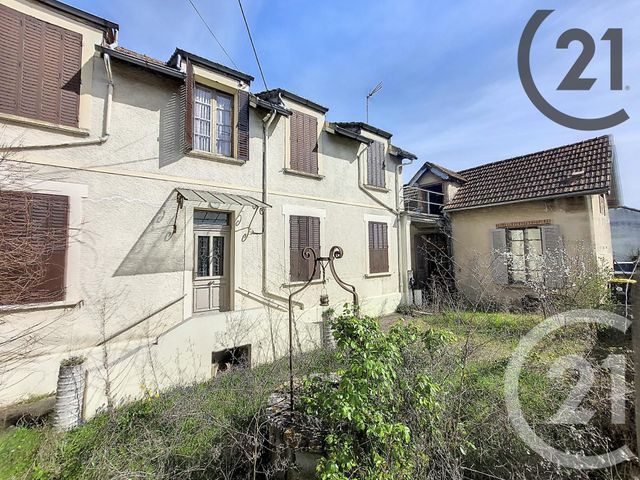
pixel 573 80
pixel 569 413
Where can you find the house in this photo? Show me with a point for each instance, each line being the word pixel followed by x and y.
pixel 514 222
pixel 625 233
pixel 162 208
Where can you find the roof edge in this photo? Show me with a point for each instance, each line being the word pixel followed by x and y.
pixel 338 130
pixel 164 70
pixel 81 14
pixel 581 193
pixel 294 97
pixel 367 127
pixel 218 67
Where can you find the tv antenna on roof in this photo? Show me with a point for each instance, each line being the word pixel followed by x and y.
pixel 373 91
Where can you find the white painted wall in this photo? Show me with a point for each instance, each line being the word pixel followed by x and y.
pixel 125 264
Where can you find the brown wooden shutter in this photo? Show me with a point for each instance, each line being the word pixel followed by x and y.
pixel 33 239
pixel 303 141
pixel 10 59
pixel 188 110
pixel 39 69
pixel 70 80
pixel 243 125
pixel 303 232
pixel 378 247
pixel 375 164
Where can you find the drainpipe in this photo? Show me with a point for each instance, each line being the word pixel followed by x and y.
pixel 105 125
pixel 402 279
pixel 266 123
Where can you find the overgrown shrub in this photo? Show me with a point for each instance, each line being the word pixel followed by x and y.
pixel 370 412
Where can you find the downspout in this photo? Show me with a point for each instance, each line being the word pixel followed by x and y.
pixel 402 279
pixel 106 125
pixel 266 123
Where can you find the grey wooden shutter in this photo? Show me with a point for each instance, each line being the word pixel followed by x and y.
pixel 188 110
pixel 499 258
pixel 39 69
pixel 243 125
pixel 553 253
pixel 375 164
pixel 378 247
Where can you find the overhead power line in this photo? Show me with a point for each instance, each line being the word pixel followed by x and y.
pixel 213 34
pixel 252 45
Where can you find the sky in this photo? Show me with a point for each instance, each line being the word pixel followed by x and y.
pixel 451 91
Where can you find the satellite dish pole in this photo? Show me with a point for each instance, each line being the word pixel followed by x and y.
pixel 373 91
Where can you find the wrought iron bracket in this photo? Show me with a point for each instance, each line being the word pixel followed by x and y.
pixel 309 253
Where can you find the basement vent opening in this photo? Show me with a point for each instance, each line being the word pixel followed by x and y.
pixel 224 360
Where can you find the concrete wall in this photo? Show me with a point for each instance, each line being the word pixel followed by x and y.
pixel 625 233
pixel 126 265
pixel 584 231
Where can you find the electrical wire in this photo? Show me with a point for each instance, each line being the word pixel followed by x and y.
pixel 213 34
pixel 255 52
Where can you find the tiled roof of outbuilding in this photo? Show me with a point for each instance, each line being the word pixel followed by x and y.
pixel 579 168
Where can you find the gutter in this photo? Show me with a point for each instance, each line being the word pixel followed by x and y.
pixel 123 57
pixel 106 122
pixel 533 199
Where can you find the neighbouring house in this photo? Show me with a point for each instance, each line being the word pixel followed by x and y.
pixel 161 209
pixel 512 223
pixel 625 234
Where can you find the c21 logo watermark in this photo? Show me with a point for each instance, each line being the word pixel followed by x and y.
pixel 573 79
pixel 570 412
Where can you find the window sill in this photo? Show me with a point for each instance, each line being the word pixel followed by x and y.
pixel 81 132
pixel 375 188
pixel 28 307
pixel 314 176
pixel 377 275
pixel 215 157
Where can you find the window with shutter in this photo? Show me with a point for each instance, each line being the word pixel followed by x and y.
pixel 39 69
pixel 33 239
pixel 378 247
pixel 303 140
pixel 375 165
pixel 303 232
pixel 213 122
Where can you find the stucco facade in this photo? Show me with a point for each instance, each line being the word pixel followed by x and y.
pixel 584 229
pixel 130 260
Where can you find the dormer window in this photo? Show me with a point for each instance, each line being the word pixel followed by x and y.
pixel 213 121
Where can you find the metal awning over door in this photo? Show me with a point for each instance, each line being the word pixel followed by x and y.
pixel 219 198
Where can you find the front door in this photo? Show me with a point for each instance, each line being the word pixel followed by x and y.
pixel 211 263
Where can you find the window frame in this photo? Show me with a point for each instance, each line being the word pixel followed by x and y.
pixel 213 106
pixel 526 255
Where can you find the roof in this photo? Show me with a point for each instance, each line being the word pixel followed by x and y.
pixel 577 169
pixel 430 166
pixel 358 126
pixel 220 198
pixel 333 128
pixel 78 14
pixel 209 64
pixel 273 94
pixel 401 153
pixel 141 60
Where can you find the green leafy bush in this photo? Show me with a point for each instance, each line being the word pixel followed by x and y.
pixel 369 412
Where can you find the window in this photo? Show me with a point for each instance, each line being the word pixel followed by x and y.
pixel 304 139
pixel 33 242
pixel 375 165
pixel 525 255
pixel 434 199
pixel 303 232
pixel 212 121
pixel 378 247
pixel 39 69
